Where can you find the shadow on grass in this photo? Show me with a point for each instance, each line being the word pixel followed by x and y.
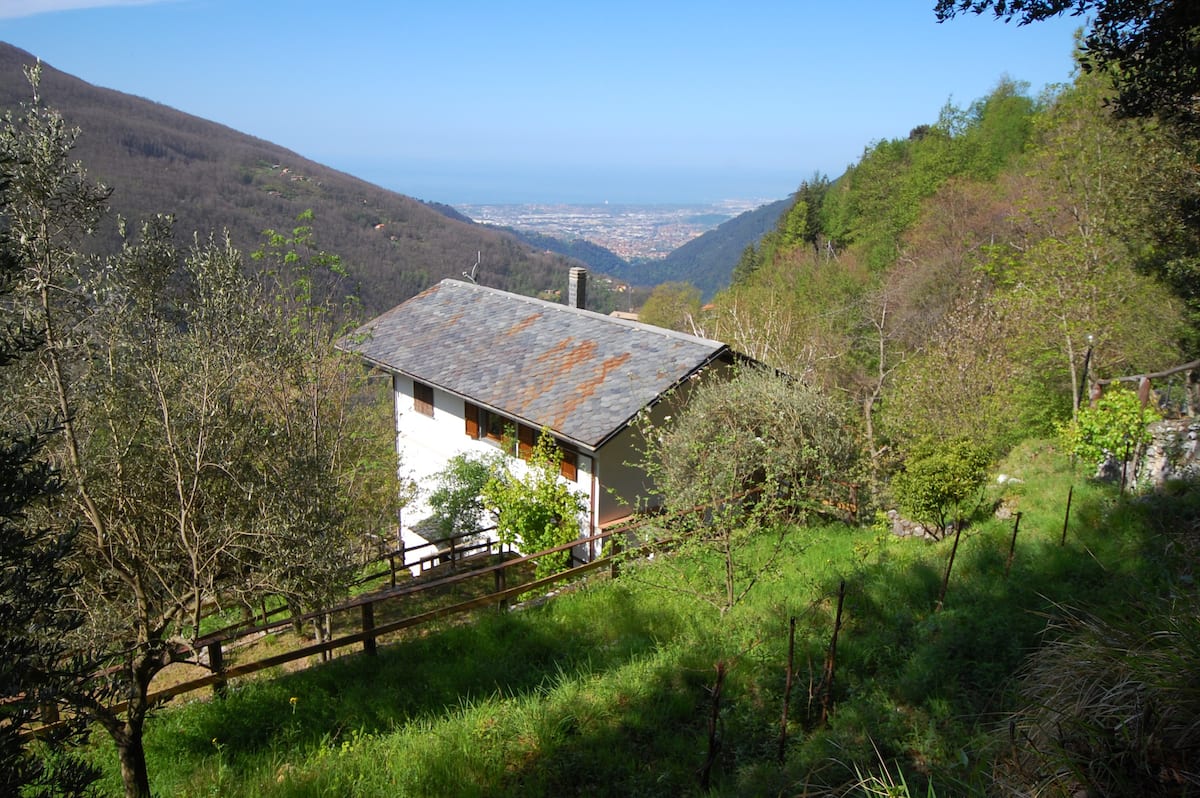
pixel 915 688
pixel 926 688
pixel 507 654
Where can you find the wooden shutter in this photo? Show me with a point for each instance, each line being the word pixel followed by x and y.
pixel 422 398
pixel 525 440
pixel 569 466
pixel 471 414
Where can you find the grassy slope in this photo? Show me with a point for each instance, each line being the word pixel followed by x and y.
pixel 605 691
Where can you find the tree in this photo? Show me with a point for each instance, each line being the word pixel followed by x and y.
pixel 969 383
pixel 746 456
pixel 200 443
pixel 343 465
pixel 1148 46
pixel 456 500
pixel 35 665
pixel 942 484
pixel 802 223
pixel 1013 279
pixel 794 313
pixel 675 306
pixel 1117 426
pixel 534 509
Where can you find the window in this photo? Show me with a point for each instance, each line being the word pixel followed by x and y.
pixel 515 439
pixel 487 426
pixel 423 398
pixel 495 428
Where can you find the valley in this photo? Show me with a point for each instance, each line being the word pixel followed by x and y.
pixel 631 231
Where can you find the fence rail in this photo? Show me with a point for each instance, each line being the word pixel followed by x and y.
pixel 452 550
pixel 215 643
pixel 369 633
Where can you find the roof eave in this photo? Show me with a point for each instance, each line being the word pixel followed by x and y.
pixel 717 353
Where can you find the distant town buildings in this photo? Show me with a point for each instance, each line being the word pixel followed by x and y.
pixel 630 231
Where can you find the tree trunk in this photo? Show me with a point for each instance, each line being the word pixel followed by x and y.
pixel 132 754
pixel 127 734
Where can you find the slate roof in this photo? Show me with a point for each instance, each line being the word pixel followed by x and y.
pixel 582 374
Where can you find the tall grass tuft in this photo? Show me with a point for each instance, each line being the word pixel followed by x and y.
pixel 1111 707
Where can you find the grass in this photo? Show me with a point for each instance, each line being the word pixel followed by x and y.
pixel 607 690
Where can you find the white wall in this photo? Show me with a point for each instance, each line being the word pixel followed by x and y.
pixel 426 444
pixel 612 488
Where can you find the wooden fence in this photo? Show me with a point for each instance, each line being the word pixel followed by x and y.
pixel 453 551
pixel 501 572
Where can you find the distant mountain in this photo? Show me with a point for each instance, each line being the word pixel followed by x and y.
pixel 707 261
pixel 212 178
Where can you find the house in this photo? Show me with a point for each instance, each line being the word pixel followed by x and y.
pixel 470 365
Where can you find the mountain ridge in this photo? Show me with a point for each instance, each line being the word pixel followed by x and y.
pixel 212 178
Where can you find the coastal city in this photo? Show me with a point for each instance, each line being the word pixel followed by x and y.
pixel 630 231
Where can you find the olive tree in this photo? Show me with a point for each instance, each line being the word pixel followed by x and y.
pixel 745 457
pixel 203 465
pixel 35 665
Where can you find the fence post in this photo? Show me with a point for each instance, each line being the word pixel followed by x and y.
pixel 1125 466
pixel 368 626
pixel 392 564
pixel 714 742
pixel 1067 517
pixel 216 661
pixel 453 550
pixel 787 689
pixel 831 656
pixel 48 710
pixel 324 627
pixel 614 551
pixel 501 582
pixel 1012 546
pixel 949 566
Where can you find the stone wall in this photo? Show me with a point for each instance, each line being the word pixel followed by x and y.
pixel 1174 452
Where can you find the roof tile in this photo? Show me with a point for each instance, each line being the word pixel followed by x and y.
pixel 582 374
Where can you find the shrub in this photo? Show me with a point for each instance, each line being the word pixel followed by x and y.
pixel 535 510
pixel 942 484
pixel 456 500
pixel 1118 423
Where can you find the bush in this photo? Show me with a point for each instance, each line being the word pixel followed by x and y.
pixel 535 510
pixel 942 484
pixel 1117 424
pixel 456 500
pixel 748 456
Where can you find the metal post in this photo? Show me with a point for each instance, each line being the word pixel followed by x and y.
pixel 1012 546
pixel 1067 517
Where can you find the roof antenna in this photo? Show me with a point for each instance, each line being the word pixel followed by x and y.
pixel 471 275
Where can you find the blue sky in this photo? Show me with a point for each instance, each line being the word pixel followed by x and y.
pixel 527 101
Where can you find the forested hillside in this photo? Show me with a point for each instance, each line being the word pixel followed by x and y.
pixel 707 260
pixel 951 283
pixel 160 161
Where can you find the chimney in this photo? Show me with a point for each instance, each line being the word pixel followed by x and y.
pixel 577 287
